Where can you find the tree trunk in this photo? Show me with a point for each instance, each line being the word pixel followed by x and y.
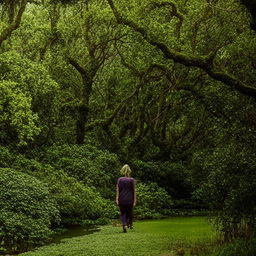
pixel 83 110
pixel 80 123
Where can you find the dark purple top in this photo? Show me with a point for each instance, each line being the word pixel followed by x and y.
pixel 126 186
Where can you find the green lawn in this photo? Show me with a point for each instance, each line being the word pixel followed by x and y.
pixel 148 238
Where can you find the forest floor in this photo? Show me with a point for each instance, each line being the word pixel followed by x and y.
pixel 165 237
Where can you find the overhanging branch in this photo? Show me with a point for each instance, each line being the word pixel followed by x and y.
pixel 108 121
pixel 203 62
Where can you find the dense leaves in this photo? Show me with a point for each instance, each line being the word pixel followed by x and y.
pixel 27 211
pixel 76 201
pixel 87 164
pixel 27 99
pixel 153 201
pixel 230 189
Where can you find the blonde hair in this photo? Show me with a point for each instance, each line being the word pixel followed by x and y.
pixel 126 170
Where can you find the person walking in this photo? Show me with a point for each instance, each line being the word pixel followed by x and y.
pixel 126 197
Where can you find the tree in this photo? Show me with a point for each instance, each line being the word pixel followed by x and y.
pixel 205 62
pixel 92 45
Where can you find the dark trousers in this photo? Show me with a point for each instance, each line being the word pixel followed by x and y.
pixel 126 214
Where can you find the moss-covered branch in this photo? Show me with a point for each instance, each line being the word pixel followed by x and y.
pixel 109 120
pixel 13 26
pixel 203 62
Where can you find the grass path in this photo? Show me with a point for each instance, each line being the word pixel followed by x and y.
pixel 148 238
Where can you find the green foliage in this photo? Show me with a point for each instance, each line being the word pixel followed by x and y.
pixel 6 157
pixel 17 118
pixel 87 164
pixel 230 189
pixel 251 7
pixel 173 177
pixel 9 9
pixel 27 98
pixel 32 78
pixel 152 201
pixel 27 211
pixel 76 201
pixel 187 204
pixel 178 117
pixel 64 1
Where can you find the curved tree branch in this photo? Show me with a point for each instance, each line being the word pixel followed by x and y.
pixel 203 62
pixel 109 120
pixel 78 67
pixel 8 31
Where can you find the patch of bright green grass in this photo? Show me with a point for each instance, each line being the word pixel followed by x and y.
pixel 148 238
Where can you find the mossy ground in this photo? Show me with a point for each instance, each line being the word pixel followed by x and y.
pixel 148 238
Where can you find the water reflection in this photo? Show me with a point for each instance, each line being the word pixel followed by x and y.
pixel 74 231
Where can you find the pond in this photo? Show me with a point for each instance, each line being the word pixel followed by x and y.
pixel 65 233
pixel 74 231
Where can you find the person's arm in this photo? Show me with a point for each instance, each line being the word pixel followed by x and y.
pixel 117 194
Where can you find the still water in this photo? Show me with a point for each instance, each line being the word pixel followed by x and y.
pixel 74 231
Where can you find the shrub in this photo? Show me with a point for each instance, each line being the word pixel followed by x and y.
pixel 153 201
pixel 229 187
pixel 27 211
pixel 188 204
pixel 76 201
pixel 87 164
pixel 173 177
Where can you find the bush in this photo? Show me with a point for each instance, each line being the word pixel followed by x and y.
pixel 76 201
pixel 229 188
pixel 87 164
pixel 27 211
pixel 153 201
pixel 173 177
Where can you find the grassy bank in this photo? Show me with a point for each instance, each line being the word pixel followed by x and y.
pixel 148 238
